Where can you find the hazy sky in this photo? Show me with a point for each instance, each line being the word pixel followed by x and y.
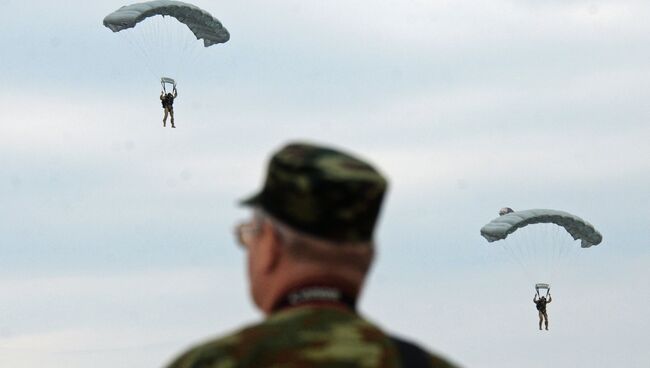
pixel 116 244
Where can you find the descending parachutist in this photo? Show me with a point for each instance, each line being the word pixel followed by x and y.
pixel 168 105
pixel 541 309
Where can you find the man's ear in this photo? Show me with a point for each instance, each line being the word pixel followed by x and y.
pixel 270 248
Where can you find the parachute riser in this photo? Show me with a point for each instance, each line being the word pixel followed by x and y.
pixel 164 81
pixel 542 286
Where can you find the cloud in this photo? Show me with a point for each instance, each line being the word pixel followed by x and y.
pixel 144 316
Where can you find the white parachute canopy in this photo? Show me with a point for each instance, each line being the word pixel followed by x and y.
pixel 539 240
pixel 502 226
pixel 200 22
pixel 168 35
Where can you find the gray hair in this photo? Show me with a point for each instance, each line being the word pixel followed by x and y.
pixel 309 248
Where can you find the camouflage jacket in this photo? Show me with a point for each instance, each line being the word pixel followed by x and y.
pixel 305 336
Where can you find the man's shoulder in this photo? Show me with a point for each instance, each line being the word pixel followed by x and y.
pixel 222 351
pixel 304 337
pixel 290 335
pixel 439 362
pixel 413 355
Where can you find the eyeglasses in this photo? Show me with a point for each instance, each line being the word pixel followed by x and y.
pixel 246 232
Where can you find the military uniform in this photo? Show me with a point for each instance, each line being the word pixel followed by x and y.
pixel 541 310
pixel 167 101
pixel 308 336
pixel 333 196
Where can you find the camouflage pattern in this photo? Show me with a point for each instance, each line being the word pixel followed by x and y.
pixel 306 336
pixel 322 192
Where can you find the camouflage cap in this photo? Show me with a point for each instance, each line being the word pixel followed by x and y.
pixel 323 192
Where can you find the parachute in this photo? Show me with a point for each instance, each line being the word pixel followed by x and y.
pixel 168 35
pixel 200 22
pixel 502 226
pixel 540 239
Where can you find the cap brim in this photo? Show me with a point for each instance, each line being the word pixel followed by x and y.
pixel 253 201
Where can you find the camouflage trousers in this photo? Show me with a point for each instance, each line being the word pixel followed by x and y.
pixel 168 111
pixel 543 317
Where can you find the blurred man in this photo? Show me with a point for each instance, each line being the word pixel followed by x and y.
pixel 541 309
pixel 309 246
pixel 168 105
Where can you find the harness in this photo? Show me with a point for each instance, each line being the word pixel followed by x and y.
pixel 168 102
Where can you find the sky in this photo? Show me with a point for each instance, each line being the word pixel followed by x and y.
pixel 116 245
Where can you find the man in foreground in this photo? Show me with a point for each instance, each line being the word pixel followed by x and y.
pixel 309 247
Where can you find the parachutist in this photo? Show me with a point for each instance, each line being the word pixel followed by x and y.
pixel 541 309
pixel 168 105
pixel 159 33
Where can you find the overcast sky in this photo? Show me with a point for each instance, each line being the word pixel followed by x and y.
pixel 115 234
